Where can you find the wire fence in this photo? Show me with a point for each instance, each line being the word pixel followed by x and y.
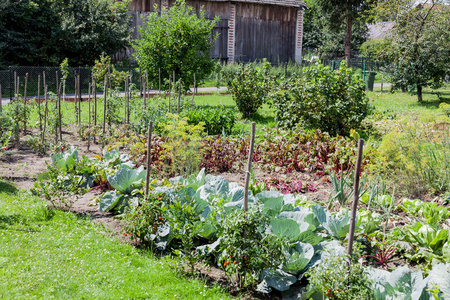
pixel 53 77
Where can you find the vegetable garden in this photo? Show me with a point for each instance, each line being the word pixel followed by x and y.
pixel 292 238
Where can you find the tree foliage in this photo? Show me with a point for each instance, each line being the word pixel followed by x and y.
pixel 176 40
pixel 344 14
pixel 44 32
pixel 323 35
pixel 420 47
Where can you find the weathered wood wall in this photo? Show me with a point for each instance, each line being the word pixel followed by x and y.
pixel 262 30
pixel 265 31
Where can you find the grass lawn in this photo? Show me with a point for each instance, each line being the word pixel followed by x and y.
pixel 48 254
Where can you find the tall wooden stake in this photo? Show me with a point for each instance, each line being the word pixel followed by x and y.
pixel 149 156
pixel 355 200
pixel 79 100
pixel 126 101
pixel 1 109
pixel 17 131
pixel 59 112
pixel 170 91
pixel 104 105
pixel 25 104
pixel 75 97
pixel 249 167
pixel 179 97
pixel 159 74
pixel 89 116
pixel 193 93
pixel 144 90
pixel 45 114
pixel 39 103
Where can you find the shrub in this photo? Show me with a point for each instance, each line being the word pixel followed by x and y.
pixel 217 120
pixel 250 87
pixel 332 101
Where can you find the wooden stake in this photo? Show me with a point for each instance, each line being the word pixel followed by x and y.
pixel 170 90
pixel 129 98
pixel 59 115
pixel 1 109
pixel 89 116
pixel 149 157
pixel 249 167
pixel 75 97
pixel 39 103
pixel 126 101
pixel 193 93
pixel 45 114
pixel 179 97
pixel 104 105
pixel 17 133
pixel 144 90
pixel 25 104
pixel 79 100
pixel 159 74
pixel 355 200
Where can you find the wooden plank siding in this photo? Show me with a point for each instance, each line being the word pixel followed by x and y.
pixel 265 31
pixel 261 30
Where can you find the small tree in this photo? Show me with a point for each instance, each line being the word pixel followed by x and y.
pixel 176 40
pixel 420 42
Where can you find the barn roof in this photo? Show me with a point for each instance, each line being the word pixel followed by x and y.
pixel 294 3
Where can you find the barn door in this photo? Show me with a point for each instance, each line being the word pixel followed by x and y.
pixel 219 50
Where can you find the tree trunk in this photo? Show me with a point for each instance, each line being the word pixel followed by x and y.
pixel 419 93
pixel 348 39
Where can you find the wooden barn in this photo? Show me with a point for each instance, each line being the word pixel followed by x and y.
pixel 249 29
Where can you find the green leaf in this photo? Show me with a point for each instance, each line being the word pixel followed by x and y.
pixel 278 279
pixel 124 179
pixel 285 228
pixel 109 200
pixel 298 258
pixel 207 230
pixel 269 195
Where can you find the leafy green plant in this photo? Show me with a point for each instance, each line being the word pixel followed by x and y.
pixel 431 213
pixel 332 101
pixel 381 252
pixel 250 87
pixel 145 220
pixel 246 250
pixel 402 283
pixel 182 148
pixel 419 155
pixel 217 120
pixel 333 280
pixel 128 185
pixel 61 188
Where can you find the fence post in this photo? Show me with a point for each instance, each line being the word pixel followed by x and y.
pixel 10 84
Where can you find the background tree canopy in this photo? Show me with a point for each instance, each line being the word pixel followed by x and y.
pixel 325 28
pixel 44 32
pixel 418 46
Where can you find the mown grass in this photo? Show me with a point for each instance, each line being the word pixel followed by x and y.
pixel 49 254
